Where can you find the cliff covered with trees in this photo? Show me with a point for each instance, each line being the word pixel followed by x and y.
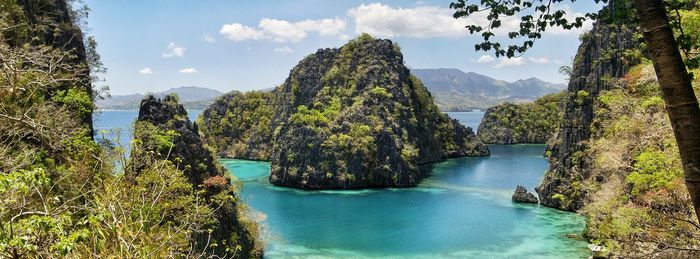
pixel 534 122
pixel 615 158
pixel 239 125
pixel 636 202
pixel 606 52
pixel 352 117
pixel 46 148
pixel 163 132
pixel 626 152
pixel 66 194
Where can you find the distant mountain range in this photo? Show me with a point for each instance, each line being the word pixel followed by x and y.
pixel 456 90
pixel 191 97
pixel 453 90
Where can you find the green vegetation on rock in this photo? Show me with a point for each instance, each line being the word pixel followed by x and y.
pixel 522 123
pixel 163 132
pixel 598 66
pixel 65 194
pixel 635 180
pixel 352 117
pixel 238 124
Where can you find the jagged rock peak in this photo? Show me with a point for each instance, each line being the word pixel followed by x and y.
pixel 355 117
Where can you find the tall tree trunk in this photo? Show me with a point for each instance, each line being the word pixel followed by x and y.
pixel 676 88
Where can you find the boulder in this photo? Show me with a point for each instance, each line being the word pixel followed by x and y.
pixel 521 195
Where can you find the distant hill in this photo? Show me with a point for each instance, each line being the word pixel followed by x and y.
pixel 457 90
pixel 190 96
pixel 453 90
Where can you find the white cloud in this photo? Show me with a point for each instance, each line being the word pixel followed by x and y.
pixel 284 49
pixel 485 59
pixel 432 21
pixel 146 71
pixel 281 30
pixel 208 38
pixel 571 16
pixel 188 70
pixel 173 50
pixel 510 62
pixel 420 22
pixel 539 60
pixel 325 27
pixel 240 32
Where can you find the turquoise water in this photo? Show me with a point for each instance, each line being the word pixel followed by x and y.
pixel 118 125
pixel 462 210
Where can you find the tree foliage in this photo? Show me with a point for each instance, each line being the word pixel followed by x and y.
pixel 63 194
pixel 538 16
pixel 640 205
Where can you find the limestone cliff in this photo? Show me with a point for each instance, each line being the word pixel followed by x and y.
pixel 44 79
pixel 165 132
pixel 352 117
pixel 355 117
pixel 602 56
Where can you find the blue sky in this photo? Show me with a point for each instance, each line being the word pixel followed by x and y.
pixel 245 45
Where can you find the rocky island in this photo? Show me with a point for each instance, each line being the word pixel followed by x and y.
pixel 510 123
pixel 346 118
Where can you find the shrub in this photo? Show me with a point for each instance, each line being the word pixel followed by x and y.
pixel 652 170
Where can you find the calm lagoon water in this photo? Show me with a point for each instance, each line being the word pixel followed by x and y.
pixel 462 210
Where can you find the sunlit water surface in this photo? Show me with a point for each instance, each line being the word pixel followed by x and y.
pixel 462 210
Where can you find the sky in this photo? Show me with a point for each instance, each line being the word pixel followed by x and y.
pixel 150 46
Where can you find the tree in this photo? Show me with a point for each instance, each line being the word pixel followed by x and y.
pixel 664 37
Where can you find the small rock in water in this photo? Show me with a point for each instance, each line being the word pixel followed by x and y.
pixel 523 196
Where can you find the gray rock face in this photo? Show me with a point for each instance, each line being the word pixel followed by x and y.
pixel 521 195
pixel 355 117
pixel 198 164
pixel 600 58
pixel 168 114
